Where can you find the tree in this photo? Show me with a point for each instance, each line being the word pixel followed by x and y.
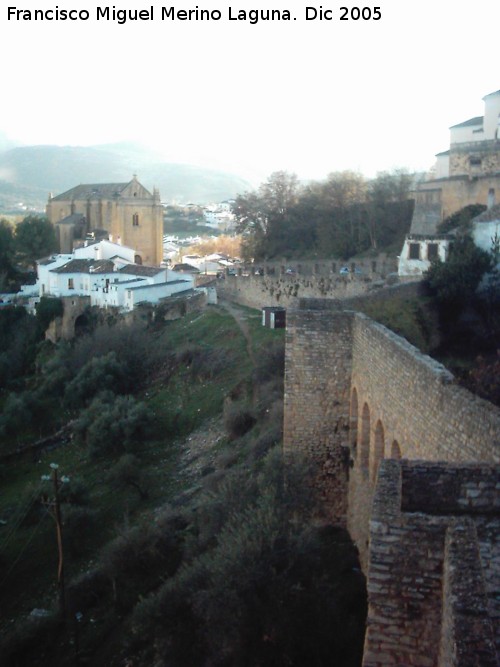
pixel 35 237
pixel 113 424
pixel 47 309
pixel 6 254
pixel 339 210
pixel 455 281
pixel 262 216
pixel 127 472
pixel 462 219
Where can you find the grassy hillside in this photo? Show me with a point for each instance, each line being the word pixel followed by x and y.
pixel 177 536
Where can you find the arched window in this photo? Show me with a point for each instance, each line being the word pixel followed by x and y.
pixel 364 449
pixel 135 220
pixel 353 424
pixel 378 448
pixel 395 450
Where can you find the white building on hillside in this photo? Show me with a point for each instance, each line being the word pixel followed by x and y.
pixel 107 273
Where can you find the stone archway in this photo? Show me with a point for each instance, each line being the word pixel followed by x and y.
pixel 82 324
pixel 353 424
pixel 395 450
pixel 378 448
pixel 364 445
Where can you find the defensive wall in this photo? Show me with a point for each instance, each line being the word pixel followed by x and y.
pixel 433 575
pixel 281 284
pixel 356 394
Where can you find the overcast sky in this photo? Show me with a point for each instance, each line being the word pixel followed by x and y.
pixel 310 97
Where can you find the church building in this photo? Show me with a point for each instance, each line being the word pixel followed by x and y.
pixel 126 213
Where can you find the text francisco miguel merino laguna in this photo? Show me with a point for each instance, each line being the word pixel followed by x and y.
pixel 172 13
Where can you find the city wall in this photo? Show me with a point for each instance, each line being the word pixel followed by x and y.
pixel 363 406
pixel 281 284
pixel 433 567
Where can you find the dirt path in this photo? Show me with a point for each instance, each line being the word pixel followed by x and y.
pixel 241 320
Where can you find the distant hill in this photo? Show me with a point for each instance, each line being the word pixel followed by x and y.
pixel 29 173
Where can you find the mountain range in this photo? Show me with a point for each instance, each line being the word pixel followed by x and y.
pixel 29 173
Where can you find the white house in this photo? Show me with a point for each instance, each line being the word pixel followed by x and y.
pixel 108 274
pixel 419 251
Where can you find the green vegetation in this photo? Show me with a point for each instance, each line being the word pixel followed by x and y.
pixel 183 545
pixel 461 221
pixel 340 217
pixel 20 246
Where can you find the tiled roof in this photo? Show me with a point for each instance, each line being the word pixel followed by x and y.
pixel 86 266
pixel 72 219
pixel 478 120
pixel 156 285
pixel 185 267
pixel 140 270
pixel 92 191
pixel 46 261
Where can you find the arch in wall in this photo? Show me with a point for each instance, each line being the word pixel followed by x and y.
pixel 378 448
pixel 82 324
pixel 353 424
pixel 395 450
pixel 364 443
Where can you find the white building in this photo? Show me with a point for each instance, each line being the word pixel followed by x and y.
pixel 107 273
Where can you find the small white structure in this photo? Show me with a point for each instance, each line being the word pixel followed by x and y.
pixel 420 251
pixel 108 274
pixel 486 228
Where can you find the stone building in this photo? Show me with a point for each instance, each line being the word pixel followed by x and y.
pixel 126 213
pixel 467 173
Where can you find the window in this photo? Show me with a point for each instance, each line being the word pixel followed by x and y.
pixel 414 252
pixel 475 161
pixel 135 220
pixel 71 283
pixel 432 251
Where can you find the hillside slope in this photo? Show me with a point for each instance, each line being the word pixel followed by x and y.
pixel 29 173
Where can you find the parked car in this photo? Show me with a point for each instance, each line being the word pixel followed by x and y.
pixel 344 271
pixel 291 271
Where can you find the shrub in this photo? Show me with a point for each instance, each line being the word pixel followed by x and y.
pixel 127 472
pixel 98 374
pixel 267 594
pixel 139 558
pixel 270 363
pixel 113 424
pixel 203 362
pixel 78 527
pixel 47 309
pixel 238 419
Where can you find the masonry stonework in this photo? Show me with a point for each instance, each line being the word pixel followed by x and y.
pixel 357 394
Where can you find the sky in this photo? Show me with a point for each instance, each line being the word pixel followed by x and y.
pixel 307 96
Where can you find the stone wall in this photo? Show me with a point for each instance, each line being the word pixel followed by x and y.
pixel 276 287
pixel 429 588
pixel 63 328
pixel 352 382
pixel 317 401
pixel 358 398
